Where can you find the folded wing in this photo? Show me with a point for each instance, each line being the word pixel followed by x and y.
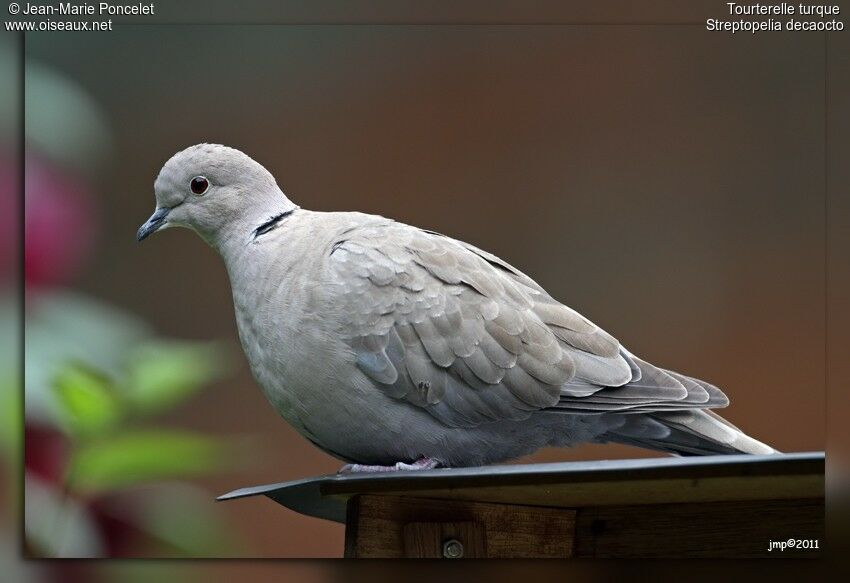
pixel 470 339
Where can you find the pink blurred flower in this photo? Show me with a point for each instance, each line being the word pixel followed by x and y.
pixel 59 224
pixel 46 451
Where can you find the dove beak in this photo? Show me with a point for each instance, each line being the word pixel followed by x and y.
pixel 153 224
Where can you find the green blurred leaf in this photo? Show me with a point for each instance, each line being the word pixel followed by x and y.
pixel 161 374
pixel 144 456
pixel 88 404
pixel 11 419
pixel 66 327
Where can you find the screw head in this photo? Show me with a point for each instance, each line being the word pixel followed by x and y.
pixel 452 549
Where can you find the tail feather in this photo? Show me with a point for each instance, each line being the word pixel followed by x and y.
pixel 660 409
pixel 691 432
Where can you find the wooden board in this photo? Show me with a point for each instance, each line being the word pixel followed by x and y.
pixel 394 527
pixel 720 529
pixel 379 527
pixel 631 492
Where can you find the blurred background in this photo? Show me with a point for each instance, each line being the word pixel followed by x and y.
pixel 665 182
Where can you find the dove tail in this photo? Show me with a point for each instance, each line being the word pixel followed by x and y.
pixel 688 432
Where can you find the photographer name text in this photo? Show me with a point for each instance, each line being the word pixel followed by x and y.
pixel 94 9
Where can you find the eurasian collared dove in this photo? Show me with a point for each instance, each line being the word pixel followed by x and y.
pixel 394 347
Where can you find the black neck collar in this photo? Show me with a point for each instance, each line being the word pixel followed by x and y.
pixel 271 223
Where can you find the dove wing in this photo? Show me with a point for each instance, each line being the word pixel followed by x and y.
pixel 457 331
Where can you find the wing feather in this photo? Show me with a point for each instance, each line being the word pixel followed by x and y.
pixel 464 335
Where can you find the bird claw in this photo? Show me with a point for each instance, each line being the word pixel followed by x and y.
pixel 423 463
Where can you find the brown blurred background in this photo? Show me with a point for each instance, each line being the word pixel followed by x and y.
pixel 666 182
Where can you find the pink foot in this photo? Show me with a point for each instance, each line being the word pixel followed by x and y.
pixel 423 463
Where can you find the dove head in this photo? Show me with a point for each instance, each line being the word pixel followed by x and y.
pixel 218 192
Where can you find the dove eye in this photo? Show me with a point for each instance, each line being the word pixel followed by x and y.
pixel 199 185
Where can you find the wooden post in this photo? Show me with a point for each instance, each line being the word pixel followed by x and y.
pixel 400 527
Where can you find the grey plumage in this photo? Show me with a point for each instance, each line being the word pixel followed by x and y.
pixel 382 342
